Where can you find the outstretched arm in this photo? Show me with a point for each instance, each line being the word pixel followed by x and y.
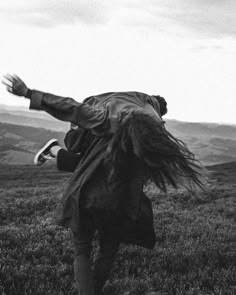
pixel 62 108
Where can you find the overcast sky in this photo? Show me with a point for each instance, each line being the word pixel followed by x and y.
pixel 182 50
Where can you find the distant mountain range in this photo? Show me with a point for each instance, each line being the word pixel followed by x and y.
pixel 212 143
pixel 26 117
pixel 23 132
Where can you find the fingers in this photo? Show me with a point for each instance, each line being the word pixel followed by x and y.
pixel 13 78
pixel 9 82
pixel 8 86
pixel 9 78
pixel 14 84
pixel 16 78
pixel 9 89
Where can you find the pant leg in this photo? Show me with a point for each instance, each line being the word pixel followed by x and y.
pixel 67 161
pixel 82 250
pixel 103 264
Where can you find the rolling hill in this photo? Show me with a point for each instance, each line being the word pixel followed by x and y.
pixel 211 143
pixel 18 144
pixel 26 117
pixel 22 132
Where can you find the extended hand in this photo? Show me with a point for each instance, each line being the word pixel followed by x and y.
pixel 15 85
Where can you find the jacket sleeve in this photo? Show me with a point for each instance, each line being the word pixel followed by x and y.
pixel 67 109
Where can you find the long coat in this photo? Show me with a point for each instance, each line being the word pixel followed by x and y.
pixel 98 118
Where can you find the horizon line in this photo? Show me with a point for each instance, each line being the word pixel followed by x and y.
pixel 173 119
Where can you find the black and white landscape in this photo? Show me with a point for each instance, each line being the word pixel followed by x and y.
pixel 23 132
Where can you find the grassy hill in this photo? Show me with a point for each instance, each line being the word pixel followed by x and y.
pixel 194 254
pixel 212 143
pixel 25 117
pixel 18 144
pixel 34 121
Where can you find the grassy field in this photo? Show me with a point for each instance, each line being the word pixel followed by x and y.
pixel 195 253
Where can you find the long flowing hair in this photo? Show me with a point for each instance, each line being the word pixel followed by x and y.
pixel 166 158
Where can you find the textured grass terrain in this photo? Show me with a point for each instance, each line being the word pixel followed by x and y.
pixel 195 252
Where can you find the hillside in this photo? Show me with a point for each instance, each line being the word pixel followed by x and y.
pixel 201 129
pixel 37 122
pixel 224 173
pixel 212 143
pixel 18 144
pixel 194 252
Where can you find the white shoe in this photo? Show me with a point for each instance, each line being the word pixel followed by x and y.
pixel 44 154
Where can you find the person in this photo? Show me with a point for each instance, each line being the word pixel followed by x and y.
pixel 65 160
pixel 122 142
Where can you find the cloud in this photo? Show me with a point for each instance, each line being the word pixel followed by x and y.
pixel 51 13
pixel 210 18
pixel 205 17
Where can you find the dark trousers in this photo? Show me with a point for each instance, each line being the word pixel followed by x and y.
pixel 88 283
pixel 67 161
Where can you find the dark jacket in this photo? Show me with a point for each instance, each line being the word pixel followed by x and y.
pixel 98 118
pixel 131 206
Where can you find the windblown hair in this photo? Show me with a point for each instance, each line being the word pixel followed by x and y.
pixel 166 158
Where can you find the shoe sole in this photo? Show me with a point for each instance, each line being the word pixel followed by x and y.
pixel 42 149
